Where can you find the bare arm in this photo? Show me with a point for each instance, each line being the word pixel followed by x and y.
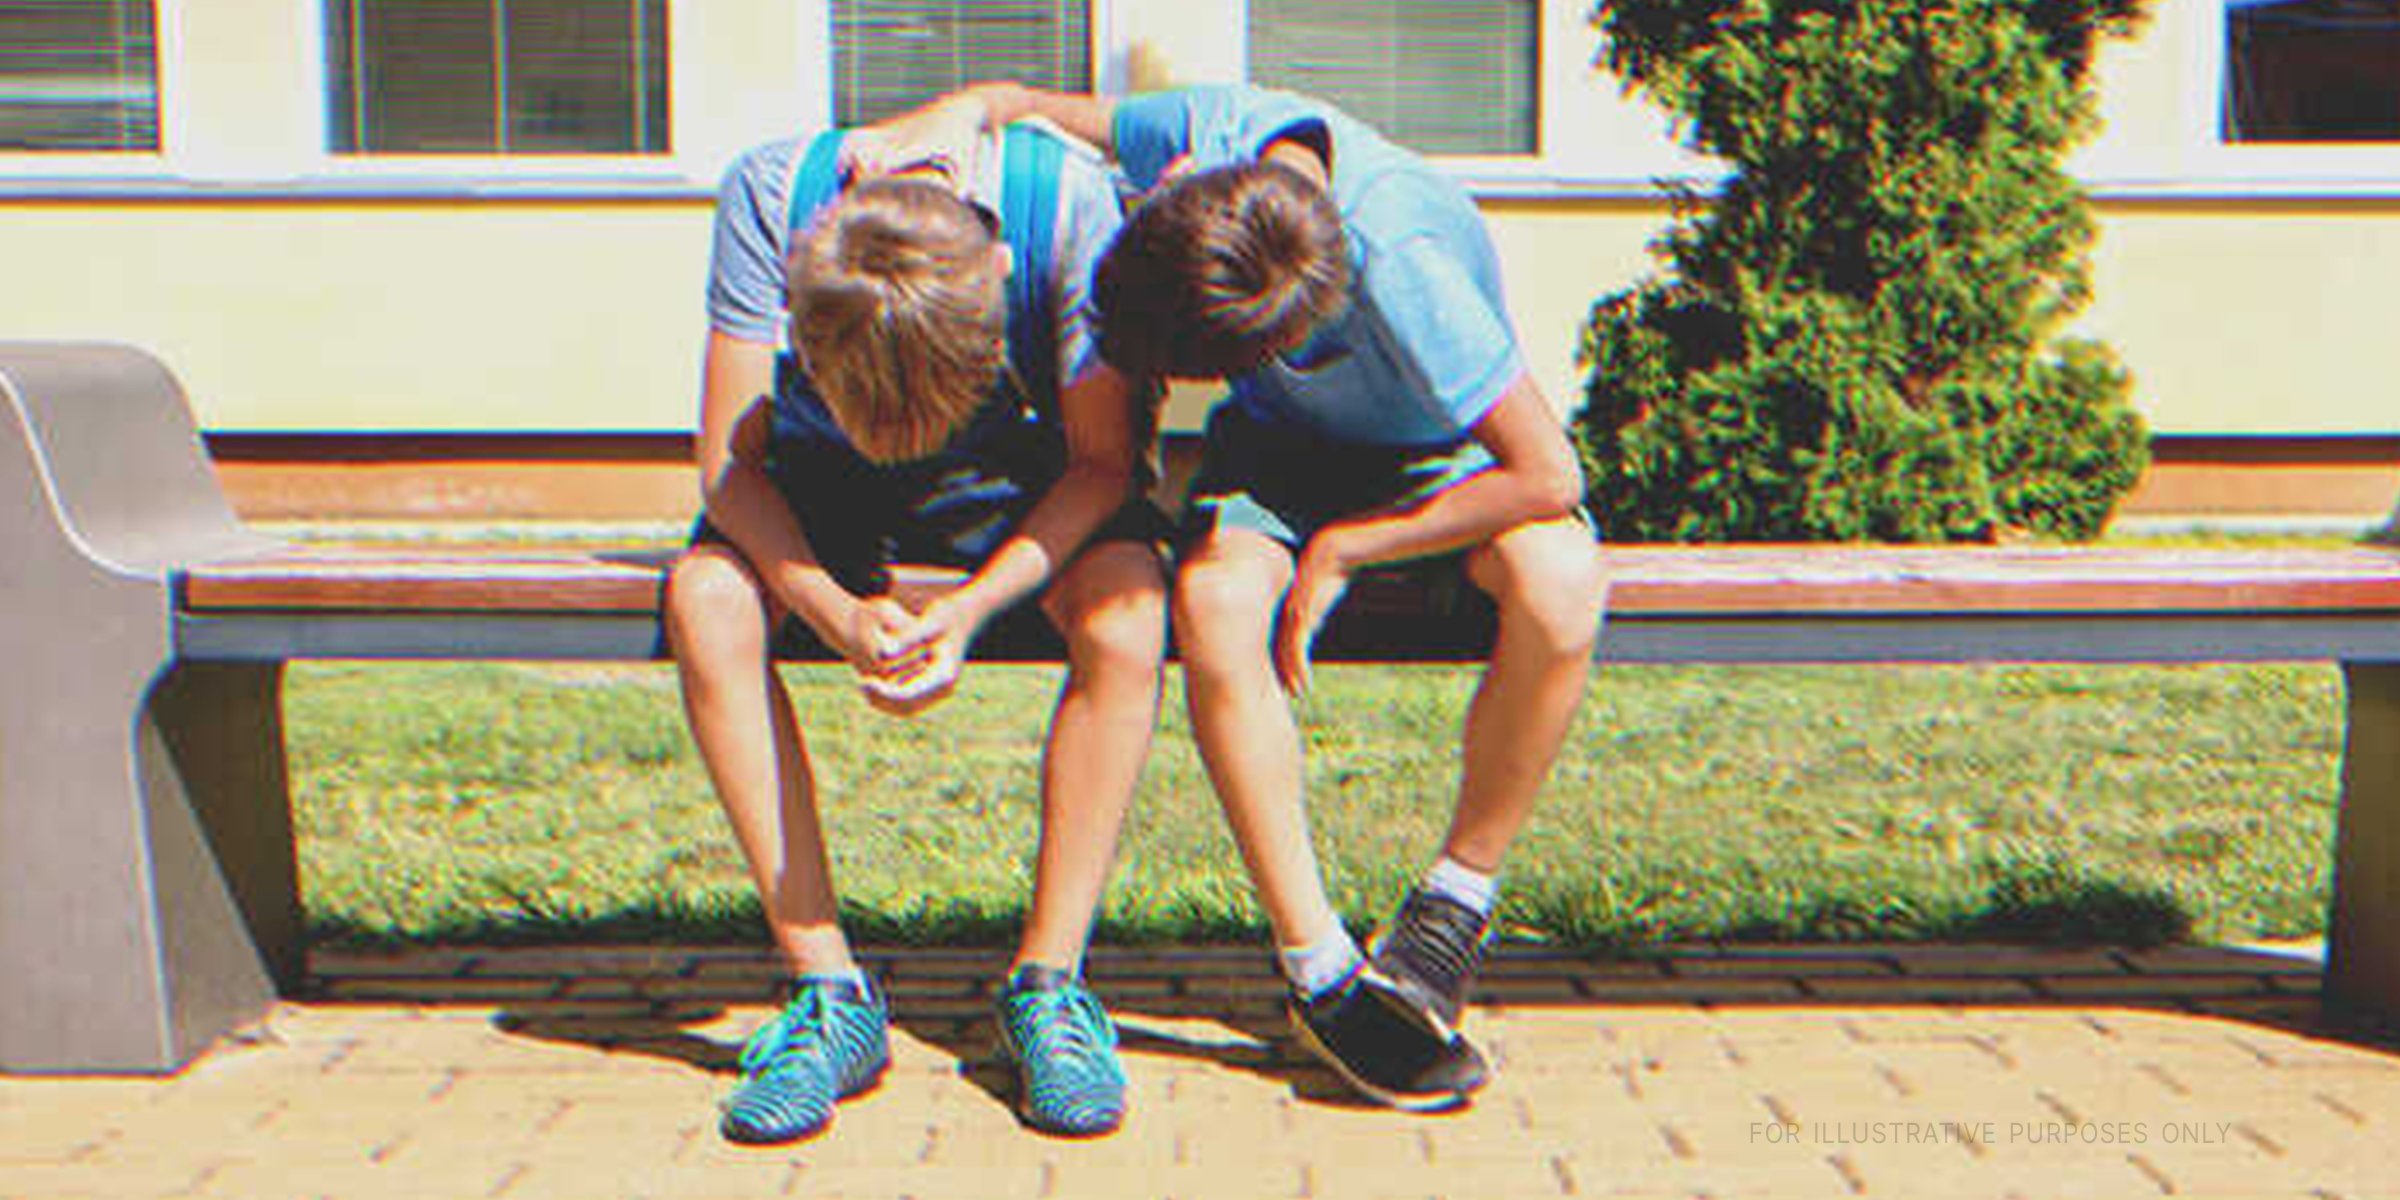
pixel 1097 416
pixel 736 391
pixel 1535 476
pixel 1097 481
pixel 950 126
pixel 1091 118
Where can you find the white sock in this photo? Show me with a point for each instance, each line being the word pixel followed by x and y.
pixel 1313 969
pixel 1463 883
pixel 855 976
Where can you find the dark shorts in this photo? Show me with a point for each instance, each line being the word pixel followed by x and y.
pixel 863 518
pixel 1288 482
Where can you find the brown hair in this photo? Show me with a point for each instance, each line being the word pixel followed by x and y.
pixel 1218 270
pixel 900 314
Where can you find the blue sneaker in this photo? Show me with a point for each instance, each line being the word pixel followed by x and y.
pixel 828 1044
pixel 1065 1048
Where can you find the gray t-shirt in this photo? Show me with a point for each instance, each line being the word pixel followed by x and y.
pixel 753 237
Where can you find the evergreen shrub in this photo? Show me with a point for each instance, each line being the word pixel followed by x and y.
pixel 1857 335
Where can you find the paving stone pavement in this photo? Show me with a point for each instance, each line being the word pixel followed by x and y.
pixel 533 1073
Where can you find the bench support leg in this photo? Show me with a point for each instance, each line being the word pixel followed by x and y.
pixel 2363 955
pixel 220 745
pixel 159 899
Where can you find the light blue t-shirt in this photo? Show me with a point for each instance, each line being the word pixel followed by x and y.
pixel 753 237
pixel 1425 348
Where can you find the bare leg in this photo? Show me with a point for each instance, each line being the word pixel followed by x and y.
pixel 1110 605
pixel 1547 583
pixel 1226 596
pixel 717 621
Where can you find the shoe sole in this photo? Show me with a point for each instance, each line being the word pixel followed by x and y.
pixel 1021 1103
pixel 1426 1102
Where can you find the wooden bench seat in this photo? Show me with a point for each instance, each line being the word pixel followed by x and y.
pixel 148 900
pixel 1666 604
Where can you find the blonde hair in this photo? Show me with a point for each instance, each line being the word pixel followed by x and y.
pixel 900 314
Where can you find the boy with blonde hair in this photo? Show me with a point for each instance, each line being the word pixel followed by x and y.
pixel 942 402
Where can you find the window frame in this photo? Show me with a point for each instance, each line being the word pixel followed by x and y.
pixel 141 164
pixel 184 162
pixel 317 83
pixel 2259 168
pixel 1098 37
pixel 1501 163
pixel 1616 145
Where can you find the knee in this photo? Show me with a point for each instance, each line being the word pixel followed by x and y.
pixel 1549 587
pixel 1118 630
pixel 714 612
pixel 1222 614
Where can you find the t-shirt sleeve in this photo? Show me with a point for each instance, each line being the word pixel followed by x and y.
pixel 1151 131
pixel 1088 218
pixel 745 270
pixel 1217 125
pixel 1447 331
pixel 1259 116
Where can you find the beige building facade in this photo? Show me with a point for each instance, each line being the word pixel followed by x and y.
pixel 323 235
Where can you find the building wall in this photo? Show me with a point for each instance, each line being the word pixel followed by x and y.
pixel 2249 291
pixel 2236 316
pixel 380 315
pixel 2254 316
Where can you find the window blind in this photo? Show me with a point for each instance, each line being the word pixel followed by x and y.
pixel 497 76
pixel 890 56
pixel 78 75
pixel 1439 76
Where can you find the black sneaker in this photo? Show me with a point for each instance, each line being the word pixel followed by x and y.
pixel 1362 1029
pixel 1432 948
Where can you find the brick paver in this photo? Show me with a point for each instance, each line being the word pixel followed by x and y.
pixel 520 1074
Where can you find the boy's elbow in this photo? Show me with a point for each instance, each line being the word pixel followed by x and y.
pixel 1558 490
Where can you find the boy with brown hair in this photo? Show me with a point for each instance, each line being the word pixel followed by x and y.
pixel 941 401
pixel 1379 412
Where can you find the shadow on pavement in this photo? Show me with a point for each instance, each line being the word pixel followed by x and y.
pixel 1223 1006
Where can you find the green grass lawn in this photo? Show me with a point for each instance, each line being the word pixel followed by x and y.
pixel 2135 804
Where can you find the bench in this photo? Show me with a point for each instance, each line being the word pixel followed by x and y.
pixel 148 898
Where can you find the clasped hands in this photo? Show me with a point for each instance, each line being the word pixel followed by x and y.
pixel 907 661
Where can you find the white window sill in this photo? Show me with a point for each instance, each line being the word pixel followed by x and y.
pixel 513 186
pixel 31 178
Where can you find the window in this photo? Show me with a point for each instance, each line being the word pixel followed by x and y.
pixel 1440 76
pixel 497 76
pixel 78 75
pixel 891 55
pixel 2251 98
pixel 2312 71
